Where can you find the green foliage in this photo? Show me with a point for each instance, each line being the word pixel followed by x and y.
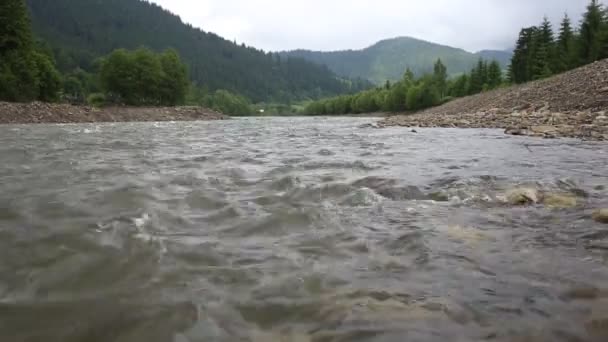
pixel 174 79
pixel 49 79
pixel 538 54
pixel 96 99
pixel 494 78
pixel 459 86
pixel 78 84
pixel 387 59
pixel 230 104
pixel 440 78
pixel 221 100
pixel 15 32
pixel 565 47
pixel 25 73
pixel 141 77
pixel 423 95
pixel 80 31
pixel 413 94
pixel 591 33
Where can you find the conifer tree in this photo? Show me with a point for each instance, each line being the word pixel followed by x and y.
pixel 440 77
pixel 565 47
pixel 494 75
pixel 590 38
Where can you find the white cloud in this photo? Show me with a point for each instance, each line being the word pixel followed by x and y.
pixel 352 24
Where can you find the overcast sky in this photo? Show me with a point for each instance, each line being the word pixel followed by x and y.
pixel 353 24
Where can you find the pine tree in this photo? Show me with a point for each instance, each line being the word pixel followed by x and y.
pixel 477 78
pixel 547 40
pixel 565 47
pixel 520 69
pixel 494 75
pixel 590 38
pixel 440 77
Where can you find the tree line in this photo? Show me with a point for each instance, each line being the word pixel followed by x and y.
pixel 137 77
pixel 411 93
pixel 81 31
pixel 540 53
pixel 26 71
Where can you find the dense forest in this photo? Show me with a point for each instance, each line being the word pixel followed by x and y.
pixel 79 32
pixel 26 72
pixel 387 59
pixel 539 53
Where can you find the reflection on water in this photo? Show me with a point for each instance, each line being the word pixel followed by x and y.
pixel 298 229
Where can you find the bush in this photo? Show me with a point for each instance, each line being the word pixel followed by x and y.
pixel 96 100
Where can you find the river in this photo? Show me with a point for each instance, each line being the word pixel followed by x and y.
pixel 297 229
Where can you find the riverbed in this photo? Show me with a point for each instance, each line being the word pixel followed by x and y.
pixel 297 229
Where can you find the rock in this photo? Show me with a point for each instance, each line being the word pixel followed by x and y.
pixel 560 201
pixel 601 216
pixel 524 196
pixel 516 131
pixel 601 120
pixel 499 111
pixel 545 129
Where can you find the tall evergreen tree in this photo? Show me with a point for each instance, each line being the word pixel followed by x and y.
pixel 547 40
pixel 590 38
pixel 565 58
pixel 440 77
pixel 494 75
pixel 521 62
pixel 477 78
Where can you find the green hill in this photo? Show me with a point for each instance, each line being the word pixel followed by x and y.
pixel 388 59
pixel 79 31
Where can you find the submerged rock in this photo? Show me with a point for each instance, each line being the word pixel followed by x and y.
pixel 560 201
pixel 601 216
pixel 524 196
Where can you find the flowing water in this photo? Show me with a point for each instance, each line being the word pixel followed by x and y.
pixel 297 229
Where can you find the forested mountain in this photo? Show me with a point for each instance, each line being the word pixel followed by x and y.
pixel 388 59
pixel 79 31
pixel 502 56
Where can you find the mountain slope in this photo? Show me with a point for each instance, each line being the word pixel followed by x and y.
pixel 502 56
pixel 388 59
pixel 79 31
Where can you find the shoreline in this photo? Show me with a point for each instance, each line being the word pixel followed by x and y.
pixel 573 104
pixel 583 125
pixel 42 113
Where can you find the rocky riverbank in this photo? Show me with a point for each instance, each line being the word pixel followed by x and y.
pixel 573 104
pixel 37 112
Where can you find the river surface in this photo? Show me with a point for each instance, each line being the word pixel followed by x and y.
pixel 297 229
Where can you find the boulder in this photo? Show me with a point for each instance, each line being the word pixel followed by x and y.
pixel 601 216
pixel 524 196
pixel 560 201
pixel 516 131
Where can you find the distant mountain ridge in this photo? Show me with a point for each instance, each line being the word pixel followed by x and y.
pixel 388 59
